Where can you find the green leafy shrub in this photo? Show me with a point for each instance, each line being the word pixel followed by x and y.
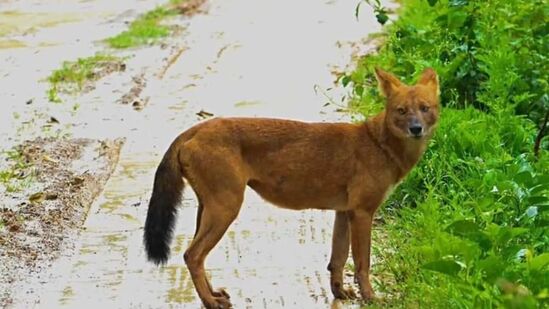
pixel 469 226
pixel 489 54
pixel 472 218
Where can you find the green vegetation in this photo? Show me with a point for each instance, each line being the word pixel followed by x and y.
pixel 144 30
pixel 74 74
pixel 469 226
pixel 16 176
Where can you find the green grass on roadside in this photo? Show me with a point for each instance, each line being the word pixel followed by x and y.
pixel 468 228
pixel 146 29
pixel 143 30
pixel 73 74
pixel 14 178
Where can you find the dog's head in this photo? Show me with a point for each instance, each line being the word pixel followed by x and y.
pixel 412 111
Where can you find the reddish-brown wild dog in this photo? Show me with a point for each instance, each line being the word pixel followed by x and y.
pixel 349 168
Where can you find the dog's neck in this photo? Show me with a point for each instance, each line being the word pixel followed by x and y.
pixel 404 153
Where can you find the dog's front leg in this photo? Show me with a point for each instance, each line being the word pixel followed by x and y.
pixel 340 253
pixel 361 233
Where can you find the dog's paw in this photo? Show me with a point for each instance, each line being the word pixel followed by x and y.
pixel 221 302
pixel 221 293
pixel 367 294
pixel 342 293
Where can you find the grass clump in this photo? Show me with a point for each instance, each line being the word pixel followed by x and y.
pixel 16 176
pixel 73 75
pixel 469 226
pixel 144 30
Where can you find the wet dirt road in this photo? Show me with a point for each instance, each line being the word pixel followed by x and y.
pixel 37 36
pixel 242 57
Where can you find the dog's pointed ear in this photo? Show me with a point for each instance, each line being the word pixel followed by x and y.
pixel 388 83
pixel 429 78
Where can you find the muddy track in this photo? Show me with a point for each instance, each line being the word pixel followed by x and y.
pixel 67 175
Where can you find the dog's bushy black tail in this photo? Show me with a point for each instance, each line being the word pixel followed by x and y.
pixel 166 196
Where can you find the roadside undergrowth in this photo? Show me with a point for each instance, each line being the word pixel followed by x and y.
pixel 468 228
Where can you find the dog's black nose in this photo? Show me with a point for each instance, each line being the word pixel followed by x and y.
pixel 416 130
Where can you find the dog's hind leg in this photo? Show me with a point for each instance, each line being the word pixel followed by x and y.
pixel 220 191
pixel 340 253
pixel 220 292
pixel 215 220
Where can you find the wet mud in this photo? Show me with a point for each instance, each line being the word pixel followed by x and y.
pixel 59 180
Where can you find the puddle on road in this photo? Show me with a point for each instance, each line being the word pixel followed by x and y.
pixel 5 44
pixel 246 103
pixel 128 184
pixel 182 290
pixel 19 23
pixel 138 164
pixel 177 108
pixel 113 239
pixel 180 243
pixel 68 293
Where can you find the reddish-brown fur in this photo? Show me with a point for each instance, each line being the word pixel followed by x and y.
pixel 349 168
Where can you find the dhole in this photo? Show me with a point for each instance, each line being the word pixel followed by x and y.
pixel 348 168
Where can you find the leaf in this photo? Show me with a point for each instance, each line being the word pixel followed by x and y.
pixel 204 114
pixel 510 253
pixel 523 254
pixel 76 181
pixel 49 159
pixel 382 18
pixel 14 227
pixel 432 2
pixel 543 223
pixel 524 177
pixel 53 120
pixel 357 9
pixel 458 2
pixel 463 227
pixel 346 80
pixel 37 197
pixel 532 211
pixel 543 208
pixel 543 294
pixel 450 268
pixel 456 19
pixel 507 233
pixel 540 261
pixel 492 266
pixel 359 90
pixel 482 239
pixel 536 200
pixel 51 196
pixel 470 230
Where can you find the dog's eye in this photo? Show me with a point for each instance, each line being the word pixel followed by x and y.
pixel 401 110
pixel 424 108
